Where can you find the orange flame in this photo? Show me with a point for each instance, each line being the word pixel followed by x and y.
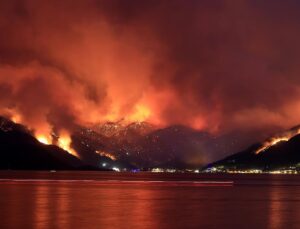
pixel 105 154
pixel 44 139
pixel 275 140
pixel 270 143
pixel 65 141
pixel 140 114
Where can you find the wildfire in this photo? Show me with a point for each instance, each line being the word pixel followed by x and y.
pixel 64 141
pixel 275 140
pixel 140 114
pixel 105 154
pixel 44 139
pixel 270 143
pixel 16 118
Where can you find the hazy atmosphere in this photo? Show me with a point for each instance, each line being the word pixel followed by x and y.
pixel 149 114
pixel 222 67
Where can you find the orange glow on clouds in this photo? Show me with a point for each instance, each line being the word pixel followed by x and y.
pixel 141 113
pixel 16 118
pixel 79 63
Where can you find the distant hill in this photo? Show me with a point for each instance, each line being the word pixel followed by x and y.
pixel 142 145
pixel 104 146
pixel 278 152
pixel 139 145
pixel 19 150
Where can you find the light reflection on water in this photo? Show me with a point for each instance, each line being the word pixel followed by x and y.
pixel 266 203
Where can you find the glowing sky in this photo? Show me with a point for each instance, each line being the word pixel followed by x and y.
pixel 218 66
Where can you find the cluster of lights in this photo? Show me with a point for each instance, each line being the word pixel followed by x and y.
pixel 116 169
pixel 162 170
pixel 251 171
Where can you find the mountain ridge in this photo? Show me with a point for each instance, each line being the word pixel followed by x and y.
pixel 283 152
pixel 21 151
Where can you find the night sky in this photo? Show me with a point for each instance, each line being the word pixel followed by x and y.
pixel 223 67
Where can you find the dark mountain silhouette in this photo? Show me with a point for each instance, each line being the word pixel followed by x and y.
pixel 142 145
pixel 282 154
pixel 139 145
pixel 21 151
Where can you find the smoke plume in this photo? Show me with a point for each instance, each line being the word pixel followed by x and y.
pixel 218 66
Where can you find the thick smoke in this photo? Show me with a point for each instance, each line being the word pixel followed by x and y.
pixel 218 66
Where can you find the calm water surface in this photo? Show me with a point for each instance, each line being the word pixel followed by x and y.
pixel 145 200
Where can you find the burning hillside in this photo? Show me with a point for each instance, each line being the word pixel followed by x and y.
pixel 70 64
pixel 282 137
pixel 62 140
pixel 280 152
pixel 142 145
pixel 20 150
